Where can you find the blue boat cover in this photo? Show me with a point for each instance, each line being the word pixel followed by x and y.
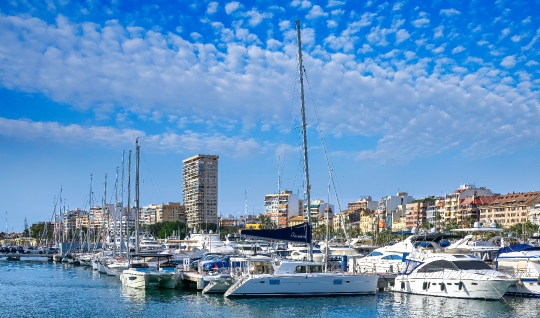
pixel 297 233
pixel 518 248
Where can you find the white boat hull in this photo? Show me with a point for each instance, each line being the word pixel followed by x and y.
pixel 218 284
pixel 303 285
pixel 135 279
pixel 525 287
pixel 453 288
pixel 164 279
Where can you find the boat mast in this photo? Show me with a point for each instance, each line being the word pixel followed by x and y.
pixel 122 206
pixel 304 134
pixel 128 198
pixel 89 212
pixel 137 152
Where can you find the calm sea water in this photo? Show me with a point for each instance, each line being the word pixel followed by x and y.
pixel 45 289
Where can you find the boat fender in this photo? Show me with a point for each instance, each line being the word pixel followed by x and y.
pixel 402 285
pixel 519 282
pixel 428 285
pixel 424 286
pixel 460 285
pixel 442 286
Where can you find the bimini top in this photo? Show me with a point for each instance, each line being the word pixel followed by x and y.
pixel 150 255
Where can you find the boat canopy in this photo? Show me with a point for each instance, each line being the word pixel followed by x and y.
pixel 298 233
pixel 518 248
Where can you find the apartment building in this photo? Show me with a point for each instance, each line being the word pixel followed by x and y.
pixel 416 212
pixel 452 206
pixel 200 189
pixel 280 207
pixel 317 208
pixel 391 208
pixel 510 209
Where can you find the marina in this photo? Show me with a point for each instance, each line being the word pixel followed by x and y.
pixel 68 291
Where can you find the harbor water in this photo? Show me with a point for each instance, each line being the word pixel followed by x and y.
pixel 38 288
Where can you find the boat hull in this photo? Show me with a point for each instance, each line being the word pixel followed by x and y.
pixel 525 287
pixel 164 279
pixel 453 288
pixel 303 285
pixel 135 279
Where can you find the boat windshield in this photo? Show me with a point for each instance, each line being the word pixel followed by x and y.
pixel 436 266
pixel 472 265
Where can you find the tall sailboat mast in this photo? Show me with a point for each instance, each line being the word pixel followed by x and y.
pixel 304 134
pixel 128 198
pixel 137 153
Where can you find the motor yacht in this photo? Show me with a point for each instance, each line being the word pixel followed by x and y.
pixel 523 261
pixel 443 272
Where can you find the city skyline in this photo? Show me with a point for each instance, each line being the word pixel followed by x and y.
pixel 410 98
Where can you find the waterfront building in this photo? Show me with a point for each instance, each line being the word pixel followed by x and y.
pixel 392 207
pixel 200 189
pixel 534 214
pixel 368 221
pixel 317 209
pixel 469 211
pixel 416 211
pixel 510 209
pixel 281 206
pixel 453 201
pixel 295 220
pixel 399 224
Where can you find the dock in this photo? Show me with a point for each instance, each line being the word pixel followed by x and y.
pixel 18 256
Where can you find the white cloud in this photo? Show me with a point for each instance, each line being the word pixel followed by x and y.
pixel 232 6
pixel 304 4
pixel 458 49
pixel 532 63
pixel 419 23
pixel 438 31
pixel 516 38
pixel 482 42
pixel 121 72
pixel 77 134
pixel 533 41
pixel 195 36
pixel 397 6
pixel 212 7
pixel 526 20
pixel 402 35
pixel 331 24
pixel 504 33
pixel 257 17
pixel 334 3
pixel 509 61
pixel 316 12
pixel 440 49
pixel 284 25
pixel 449 12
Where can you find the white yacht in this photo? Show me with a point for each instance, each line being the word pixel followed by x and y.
pixel 438 273
pixel 299 278
pixel 477 244
pixel 207 241
pixel 140 275
pixel 523 261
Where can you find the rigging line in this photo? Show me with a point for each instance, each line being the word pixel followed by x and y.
pixel 289 127
pixel 326 156
pixel 150 177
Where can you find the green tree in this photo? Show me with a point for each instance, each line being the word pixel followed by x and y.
pixel 438 219
pixel 26 232
pixel 266 222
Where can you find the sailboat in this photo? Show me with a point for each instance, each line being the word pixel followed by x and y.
pixel 298 278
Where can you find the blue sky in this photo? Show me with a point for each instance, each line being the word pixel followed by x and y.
pixel 411 96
